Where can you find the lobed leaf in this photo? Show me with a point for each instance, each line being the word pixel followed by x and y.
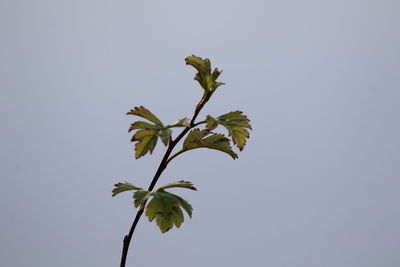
pixel 165 208
pixel 146 141
pixel 142 125
pixel 197 139
pixel 212 123
pixel 122 187
pixel 183 184
pixel 139 197
pixel 195 134
pixel 219 142
pixel 206 78
pixel 237 124
pixel 145 113
pixel 178 218
pixel 185 205
pixel 202 65
pixel 165 134
pixel 148 133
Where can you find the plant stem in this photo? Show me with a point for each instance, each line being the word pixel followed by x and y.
pixel 175 155
pixel 163 165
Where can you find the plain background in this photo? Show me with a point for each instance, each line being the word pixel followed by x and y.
pixel 317 185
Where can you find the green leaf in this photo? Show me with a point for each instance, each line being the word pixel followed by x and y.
pixel 206 78
pixel 212 123
pixel 122 187
pixel 199 139
pixel 215 74
pixel 237 124
pixel 148 133
pixel 146 141
pixel 165 208
pixel 153 208
pixel 178 218
pixel 219 142
pixel 195 134
pixel 183 184
pixel 202 65
pixel 185 205
pixel 165 134
pixel 140 196
pixel 145 113
pixel 143 125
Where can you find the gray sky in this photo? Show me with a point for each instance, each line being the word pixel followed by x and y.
pixel 317 185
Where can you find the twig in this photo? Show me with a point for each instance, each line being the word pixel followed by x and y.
pixel 164 163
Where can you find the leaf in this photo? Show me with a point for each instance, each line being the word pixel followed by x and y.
pixel 216 73
pixel 219 142
pixel 122 187
pixel 165 208
pixel 178 218
pixel 140 196
pixel 212 123
pixel 145 113
pixel 183 184
pixel 194 135
pixel 146 141
pixel 148 133
pixel 142 125
pixel 185 205
pixel 202 65
pixel 237 124
pixel 185 122
pixel 206 78
pixel 197 139
pixel 165 134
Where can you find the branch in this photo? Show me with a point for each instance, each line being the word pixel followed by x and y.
pixel 163 165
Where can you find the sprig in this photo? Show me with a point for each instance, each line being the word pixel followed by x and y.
pixel 164 207
pixel 159 204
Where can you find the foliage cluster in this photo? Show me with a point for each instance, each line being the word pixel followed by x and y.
pixel 159 204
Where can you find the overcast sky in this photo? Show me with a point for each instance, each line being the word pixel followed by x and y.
pixel 317 185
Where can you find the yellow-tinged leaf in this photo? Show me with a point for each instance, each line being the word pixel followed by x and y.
pixel 146 141
pixel 145 113
pixel 212 123
pixel 122 187
pixel 199 139
pixel 142 125
pixel 237 124
pixel 202 65
pixel 204 76
pixel 166 209
pixel 182 183
pixel 148 133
